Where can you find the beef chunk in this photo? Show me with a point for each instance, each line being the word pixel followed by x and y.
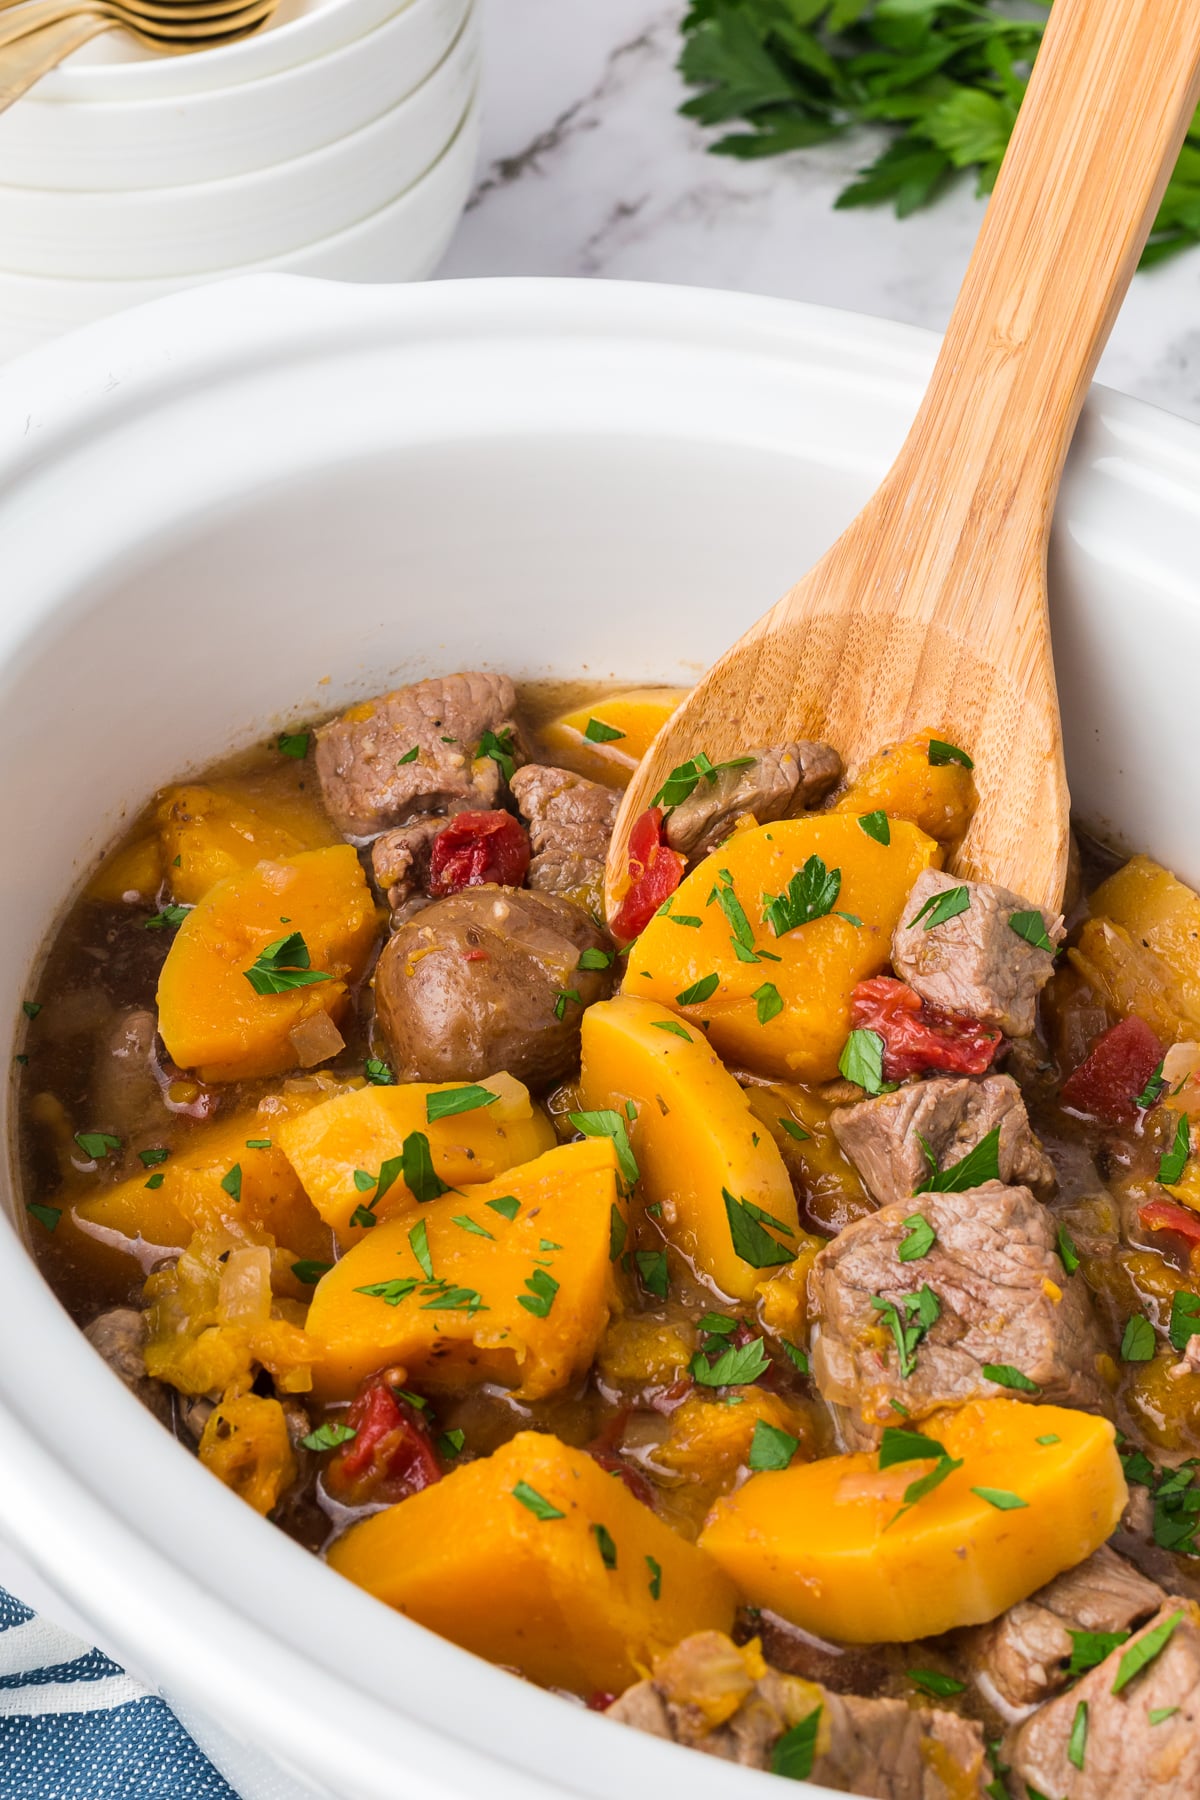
pixel 974 963
pixel 475 983
pixel 845 1668
pixel 1001 1293
pixel 1124 1753
pixel 570 822
pixel 368 785
pixel 710 1695
pixel 400 860
pixel 119 1336
pixel 776 784
pixel 882 1137
pixel 1024 1654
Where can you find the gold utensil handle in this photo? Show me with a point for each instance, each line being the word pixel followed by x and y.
pixel 35 53
pixel 35 15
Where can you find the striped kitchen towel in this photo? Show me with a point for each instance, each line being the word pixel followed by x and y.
pixel 74 1726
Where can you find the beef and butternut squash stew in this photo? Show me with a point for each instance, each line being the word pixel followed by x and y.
pixel 773 1322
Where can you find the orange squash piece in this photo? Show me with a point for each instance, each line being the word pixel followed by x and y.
pixel 637 716
pixel 211 830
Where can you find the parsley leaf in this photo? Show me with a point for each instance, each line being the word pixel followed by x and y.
pixel 449 1101
pixel 908 1322
pixel 415 1167
pixel 918 1240
pixel 608 1550
pixel 1000 1498
pixel 655 1568
pixel 232 1182
pixel 941 753
pixel 899 1445
pixel 1004 1375
pixel 810 894
pixel 1089 1649
pixel 795 1752
pixel 768 1002
pixel 932 1681
pixel 674 1027
pixel 977 1166
pixel 1143 1652
pixel 283 965
pixel 96 1145
pixel 1172 1164
pixel 735 1367
pixel 310 1272
pixel 1077 1747
pixel 1032 927
pixel 508 1206
pixel 1068 1254
pixel 652 1267
pixel 861 1061
pixel 328 1437
pixel 701 990
pixel 682 782
pixel 49 1215
pixel 1185 1318
pixel 379 1073
pixel 606 1122
pixel 1150 1093
pixel 754 1245
pixel 770 1447
pixel 1137 1344
pixel 539 1298
pixel 167 919
pixel 501 749
pixel 596 959
pixel 418 1240
pixel 942 906
pixel 597 732
pixel 878 826
pixel 795 1131
pixel 293 744
pixel 540 1507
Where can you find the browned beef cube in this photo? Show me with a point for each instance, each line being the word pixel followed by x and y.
pixel 1142 1741
pixel 400 860
pixel 369 777
pixel 776 784
pixel 883 1137
pixel 713 1697
pixel 990 1290
pixel 974 963
pixel 1025 1653
pixel 570 822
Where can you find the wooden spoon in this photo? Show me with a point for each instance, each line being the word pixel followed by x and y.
pixel 930 610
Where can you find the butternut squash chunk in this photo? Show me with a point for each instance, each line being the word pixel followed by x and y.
pixel 210 1016
pixel 207 832
pixel 245 1444
pixel 510 1282
pixel 829 1185
pixel 696 970
pixel 695 1138
pixel 196 1187
pixel 1162 916
pixel 536 1558
pixel 360 1132
pixel 1128 978
pixel 133 872
pixel 834 1546
pixel 901 781
pixel 637 715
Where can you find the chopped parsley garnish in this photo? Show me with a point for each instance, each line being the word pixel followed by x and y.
pixel 418 1243
pixel 718 1324
pixel 608 1550
pixel 258 1143
pixel 861 1061
pixel 754 1245
pixel 768 1002
pixel 409 756
pixel 31 1008
pixel 456 1299
pixel 596 959
pixel 151 1158
pixel 771 1447
pixel 283 965
pixel 617 1232
pixel 45 1215
pixel 1000 1498
pixel 607 1122
pixel 1137 1345
pixel 390 1292
pixel 1077 1747
pixel 232 1182
pixel 795 1131
pixel 681 783
pixel 736 1366
pixel 1089 1649
pixel 155 1181
pixel 364 1181
pixel 701 990
pixel 655 1568
pixel 563 998
pixel 310 1272
pixel 977 1166
pixel 940 753
pixel 795 1752
pixel 501 749
pixel 932 1681
pixel 901 1445
pixel 536 1504
pixel 878 826
pixel 1068 1254
pixel 940 907
pixel 688 919
pixel 167 919
pixel 465 1223
pixel 508 1206
pixel 449 1101
pixel 1032 927
pixel 328 1437
pixel 797 1357
pixel 1176 1509
pixel 541 1289
pixel 1004 1375
pixel 597 732
pixel 1142 1653
pixel 674 1027
pixel 1158 1714
pixel 810 894
pixel 379 1073
pixel 97 1144
pixel 1150 1093
pixel 921 1311
pixel 293 744
pixel 1172 1164
pixel 1050 1437
pixel 918 1240
pixel 450 1444
pixel 916 1491
pixel 1185 1318
pixel 652 1267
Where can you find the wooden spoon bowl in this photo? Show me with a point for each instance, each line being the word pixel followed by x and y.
pixel 930 610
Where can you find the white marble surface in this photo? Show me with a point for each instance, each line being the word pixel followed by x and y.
pixel 588 170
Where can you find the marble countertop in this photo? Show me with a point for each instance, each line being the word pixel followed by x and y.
pixel 588 170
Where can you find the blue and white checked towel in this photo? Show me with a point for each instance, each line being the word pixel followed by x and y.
pixel 75 1726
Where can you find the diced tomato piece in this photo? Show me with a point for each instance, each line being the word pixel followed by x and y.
pixel 1114 1072
pixel 917 1037
pixel 600 1701
pixel 391 1454
pixel 476 847
pixel 1165 1215
pixel 655 871
pixel 614 1464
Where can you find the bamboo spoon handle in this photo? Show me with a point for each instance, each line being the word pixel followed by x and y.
pixel 1113 91
pixel 34 55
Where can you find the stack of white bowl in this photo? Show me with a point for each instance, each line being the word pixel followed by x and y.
pixel 339 141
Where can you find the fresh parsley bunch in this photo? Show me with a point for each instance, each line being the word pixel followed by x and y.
pixel 943 78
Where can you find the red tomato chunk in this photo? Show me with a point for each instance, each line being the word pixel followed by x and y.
pixel 391 1454
pixel 1113 1073
pixel 476 847
pixel 917 1037
pixel 655 871
pixel 1165 1215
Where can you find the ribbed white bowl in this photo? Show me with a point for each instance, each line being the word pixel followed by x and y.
pixel 158 232
pixel 403 241
pixel 167 141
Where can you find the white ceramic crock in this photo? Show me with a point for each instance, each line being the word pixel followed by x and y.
pixel 259 501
